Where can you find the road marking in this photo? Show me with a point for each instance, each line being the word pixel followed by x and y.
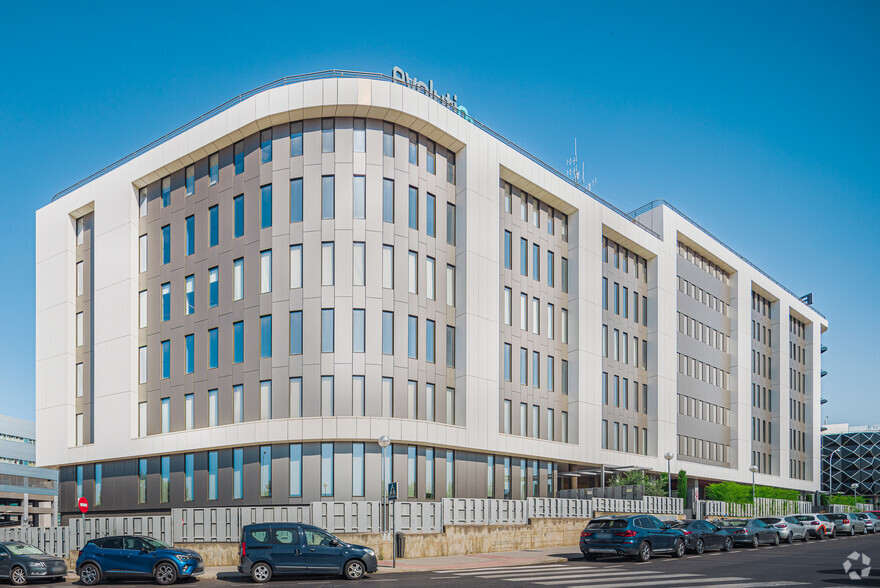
pixel 623 576
pixel 749 584
pixel 522 567
pixel 565 578
pixel 665 580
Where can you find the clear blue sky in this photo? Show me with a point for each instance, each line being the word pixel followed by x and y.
pixel 757 119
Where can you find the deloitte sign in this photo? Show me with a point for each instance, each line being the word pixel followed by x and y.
pixel 428 88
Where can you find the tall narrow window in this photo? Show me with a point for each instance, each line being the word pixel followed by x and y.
pixel 266 471
pixel 213 287
pixel 450 346
pixel 358 330
pixel 296 266
pixel 550 321
pixel 413 272
pixel 213 409
pixel 328 197
pixel 166 192
pixel 166 301
pixel 266 336
pixel 214 168
pixel 166 415
pixel 358 392
pixel 450 473
pixel 142 365
pixel 431 279
pixel 213 226
pixel 450 285
pixel 387 266
pixel 188 411
pixel 359 197
pixel 550 277
pixel 536 316
pixel 357 469
pixel 412 399
pixel 142 309
pixel 429 473
pixel 507 253
pixel 387 332
pixel 564 325
pixel 142 248
pixel 411 471
pixel 450 167
pixel 551 373
pixel 450 224
pixel 166 359
pixel 387 200
pixel 327 135
pixel 238 216
pixel 166 244
pixel 326 469
pixel 523 257
pixel 430 213
pixel 450 406
pixel 536 369
pixel 237 474
pixel 327 330
pixel 238 157
pixel 190 180
pixel 265 271
pixel 387 398
pixel 79 380
pixel 505 419
pixel 360 135
pixel 188 472
pixel 327 391
pixel 80 431
pixel 295 397
pixel 413 208
pixel 431 149
pixel 99 479
pixel 238 342
pixel 79 329
pixel 507 359
pixel 564 376
pixel 80 279
pixel 430 337
pixel 213 346
pixel 265 145
pixel 296 334
pixel 237 403
pixel 190 353
pixel 296 139
pixel 388 139
pixel 523 366
pixel 238 279
pixel 265 400
pixel 430 402
pixel 296 200
pixel 142 481
pixel 412 330
pixel 413 148
pixel 564 275
pixel 143 203
pixel 190 292
pixel 536 261
pixel 507 305
pixel 266 206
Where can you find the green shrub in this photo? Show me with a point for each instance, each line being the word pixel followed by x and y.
pixel 682 484
pixel 742 493
pixel 652 486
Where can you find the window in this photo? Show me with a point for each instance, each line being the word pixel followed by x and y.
pixel 507 358
pixel 430 212
pixel 431 279
pixel 450 285
pixel 523 311
pixel 142 247
pixel 564 275
pixel 505 419
pixel 387 266
pixel 358 330
pixel 238 342
pixel 190 235
pixel 142 481
pixel 266 206
pixel 388 139
pixel 238 157
pixel 523 366
pixel 142 365
pixel 360 135
pixel 213 348
pixel 142 204
pixel 327 135
pixel 79 380
pixel 507 238
pixel 296 139
pixel 429 402
pixel 524 207
pixel 213 409
pixel 523 419
pixel 604 340
pixel 523 257
pixel 79 278
pixel 327 330
pixel 358 392
pixel 450 473
pixel 412 348
pixel 79 329
pixel 188 407
pixel 550 423
pixel 166 415
pixel 190 352
pixel 265 471
pixel 450 406
pixel 357 469
pixel 166 192
pixel 536 369
pixel 166 301
pixel 550 321
pixel 142 309
pixel 190 180
pixel 213 225
pixel 413 208
pixel 429 473
pixel 550 278
pixel 266 336
pixel 431 149
pixel 213 286
pixel 450 167
pixel 387 332
pixel 507 304
pixel 80 430
pixel 387 200
pixel 238 473
pixel 238 216
pixel 536 261
pixel 413 148
pixel 166 359
pixel 190 295
pixel 450 346
pixel 265 400
pixel 413 272
pixel 296 266
pixel 359 197
pixel 237 403
pixel 617 391
pixel 238 279
pixel 450 224
pixel 328 197
pixel 387 397
pixel 550 373
pixel 536 423
pixel 328 264
pixel 536 316
pixel 625 302
pixel 214 168
pixel 430 337
pixel 99 477
pixel 564 376
pixel 296 200
pixel 166 244
pixel 564 427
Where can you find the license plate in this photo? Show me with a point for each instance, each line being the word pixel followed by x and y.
pixel 598 550
pixel 603 536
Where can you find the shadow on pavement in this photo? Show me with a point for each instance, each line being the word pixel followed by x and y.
pixel 838 577
pixel 236 578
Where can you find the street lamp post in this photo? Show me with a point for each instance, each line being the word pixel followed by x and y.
pixel 855 487
pixel 669 455
pixel 753 469
pixel 384 442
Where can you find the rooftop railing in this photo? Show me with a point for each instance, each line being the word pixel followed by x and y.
pixel 338 73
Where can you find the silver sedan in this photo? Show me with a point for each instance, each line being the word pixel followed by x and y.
pixel 870 521
pixel 847 523
pixel 789 530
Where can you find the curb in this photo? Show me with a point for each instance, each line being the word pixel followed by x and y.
pixel 482 564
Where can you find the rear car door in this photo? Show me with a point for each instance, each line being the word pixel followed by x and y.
pixel 287 552
pixel 110 555
pixel 660 539
pixel 258 544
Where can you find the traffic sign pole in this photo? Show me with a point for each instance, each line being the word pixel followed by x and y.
pixel 83 506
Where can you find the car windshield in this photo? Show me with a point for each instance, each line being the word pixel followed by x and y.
pixel 823 518
pixel 607 524
pixel 803 518
pixel 20 549
pixel 155 543
pixel 679 524
pixel 770 520
pixel 732 523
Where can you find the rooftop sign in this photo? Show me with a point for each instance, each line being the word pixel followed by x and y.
pixel 428 88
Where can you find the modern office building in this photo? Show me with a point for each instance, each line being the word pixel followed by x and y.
pixel 235 314
pixel 851 455
pixel 28 494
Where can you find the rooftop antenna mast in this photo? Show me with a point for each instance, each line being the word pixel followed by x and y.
pixel 578 176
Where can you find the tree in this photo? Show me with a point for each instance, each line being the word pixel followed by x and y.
pixel 682 484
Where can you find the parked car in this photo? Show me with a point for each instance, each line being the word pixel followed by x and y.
pixel 128 556
pixel 749 531
pixel 702 535
pixel 875 520
pixel 268 549
pixel 816 527
pixel 802 528
pixel 869 521
pixel 824 518
pixel 638 536
pixel 20 563
pixel 846 523
pixel 788 531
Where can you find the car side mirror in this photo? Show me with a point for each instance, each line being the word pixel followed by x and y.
pixel 334 543
pixel 664 527
pixel 145 549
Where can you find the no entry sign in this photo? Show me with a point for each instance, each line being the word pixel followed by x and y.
pixel 83 504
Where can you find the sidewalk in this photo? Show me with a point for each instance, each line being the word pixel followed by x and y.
pixel 451 562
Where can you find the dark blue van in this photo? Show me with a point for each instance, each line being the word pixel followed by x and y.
pixel 292 548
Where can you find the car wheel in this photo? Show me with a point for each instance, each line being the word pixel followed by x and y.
pixel 699 547
pixel 89 574
pixel 852 530
pixel 728 544
pixel 755 540
pixel 834 533
pixel 354 570
pixel 865 532
pixel 644 552
pixel 165 573
pixel 678 549
pixel 261 572
pixel 18 577
pixel 776 539
pixel 790 538
pixel 806 537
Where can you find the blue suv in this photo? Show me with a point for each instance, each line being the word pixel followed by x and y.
pixel 638 536
pixel 292 548
pixel 133 557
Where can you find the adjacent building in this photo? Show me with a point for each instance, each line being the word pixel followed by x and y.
pixel 235 314
pixel 28 494
pixel 851 456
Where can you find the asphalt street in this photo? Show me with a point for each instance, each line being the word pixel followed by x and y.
pixel 816 563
